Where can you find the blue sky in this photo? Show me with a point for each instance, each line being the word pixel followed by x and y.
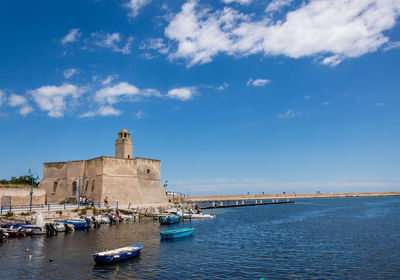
pixel 233 96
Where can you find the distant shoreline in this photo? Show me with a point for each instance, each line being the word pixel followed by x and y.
pixel 208 198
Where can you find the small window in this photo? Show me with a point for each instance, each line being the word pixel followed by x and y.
pixel 129 156
pixel 148 171
pixel 55 187
pixel 87 183
pixel 93 185
pixel 124 135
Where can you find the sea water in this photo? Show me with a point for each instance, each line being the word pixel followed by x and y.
pixel 335 238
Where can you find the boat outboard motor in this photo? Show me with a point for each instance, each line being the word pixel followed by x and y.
pixel 3 235
pixel 68 227
pixel 50 229
pixel 95 222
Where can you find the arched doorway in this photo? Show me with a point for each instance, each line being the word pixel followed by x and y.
pixel 74 188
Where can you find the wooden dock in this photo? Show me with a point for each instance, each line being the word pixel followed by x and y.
pixel 243 205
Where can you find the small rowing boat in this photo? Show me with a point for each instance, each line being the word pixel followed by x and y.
pixel 117 255
pixel 176 233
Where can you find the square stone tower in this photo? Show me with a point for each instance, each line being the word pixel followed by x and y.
pixel 123 145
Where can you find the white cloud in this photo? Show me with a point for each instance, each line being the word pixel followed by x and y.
pixel 223 86
pixel 183 93
pixel 20 101
pixel 140 114
pixel 72 36
pixel 68 73
pixel 111 94
pixel 289 114
pixel 109 111
pixel 333 30
pixel 392 45
pixel 276 5
pixel 2 97
pixel 326 103
pixel 112 41
pixel 307 96
pixel 17 100
pixel 257 82
pixel 135 6
pixel 380 104
pixel 53 98
pixel 25 110
pixel 245 2
pixel 103 111
pixel 157 44
pixel 107 80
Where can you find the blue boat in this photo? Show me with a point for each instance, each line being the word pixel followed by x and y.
pixel 117 255
pixel 78 225
pixel 170 220
pixel 176 233
pixel 33 229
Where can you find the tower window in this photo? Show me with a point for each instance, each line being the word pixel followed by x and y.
pixel 148 171
pixel 87 183
pixel 55 187
pixel 129 156
pixel 93 185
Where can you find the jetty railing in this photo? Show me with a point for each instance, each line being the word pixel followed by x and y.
pixel 54 207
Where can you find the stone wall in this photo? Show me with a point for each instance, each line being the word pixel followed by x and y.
pixel 20 196
pixel 148 171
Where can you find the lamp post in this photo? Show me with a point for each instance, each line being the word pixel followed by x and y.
pixel 79 190
pixel 31 194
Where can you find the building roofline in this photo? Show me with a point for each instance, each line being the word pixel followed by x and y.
pixel 99 158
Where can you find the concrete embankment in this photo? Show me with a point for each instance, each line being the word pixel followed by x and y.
pixel 212 198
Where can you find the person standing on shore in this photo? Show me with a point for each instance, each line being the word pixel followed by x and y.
pixel 106 201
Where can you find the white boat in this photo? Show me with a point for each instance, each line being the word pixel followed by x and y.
pixel 192 215
pixel 129 217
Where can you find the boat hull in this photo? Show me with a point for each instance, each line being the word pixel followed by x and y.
pixel 170 220
pixel 77 225
pixel 114 256
pixel 176 233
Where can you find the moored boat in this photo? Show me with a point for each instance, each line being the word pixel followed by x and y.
pixel 117 255
pixel 171 219
pixel 192 215
pixel 176 233
pixel 14 232
pixel 78 224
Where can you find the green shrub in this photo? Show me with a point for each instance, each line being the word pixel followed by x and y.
pixel 59 212
pixel 9 214
pixel 75 210
pixel 62 201
pixel 25 214
pixel 95 211
pixel 83 212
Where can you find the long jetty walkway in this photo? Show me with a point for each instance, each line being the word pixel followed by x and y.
pixel 243 204
pixel 220 201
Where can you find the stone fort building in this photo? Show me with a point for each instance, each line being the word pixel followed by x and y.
pixel 121 178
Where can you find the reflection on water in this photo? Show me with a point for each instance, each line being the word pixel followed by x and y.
pixel 352 238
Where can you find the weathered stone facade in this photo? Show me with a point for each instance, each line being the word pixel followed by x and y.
pixel 123 179
pixel 21 196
